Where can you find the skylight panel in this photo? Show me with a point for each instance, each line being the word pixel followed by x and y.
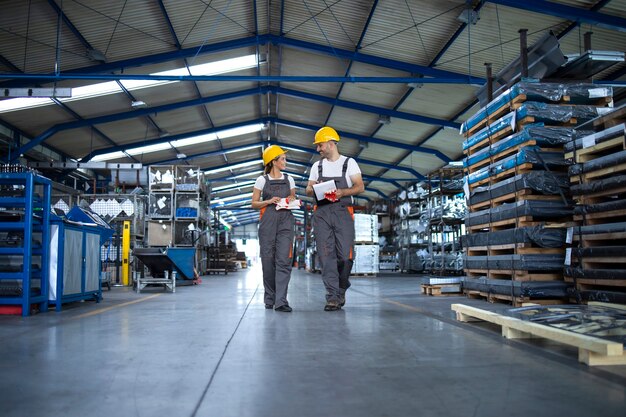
pixel 112 87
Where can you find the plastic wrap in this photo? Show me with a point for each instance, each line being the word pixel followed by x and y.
pixel 542 135
pixel 598 274
pixel 585 92
pixel 596 229
pixel 507 121
pixel 526 154
pixel 537 235
pixel 600 207
pixel 598 163
pixel 544 182
pixel 530 289
pixel 599 185
pixel 599 252
pixel 602 296
pixel 539 92
pixel 555 113
pixel 586 139
pixel 531 262
pixel 538 209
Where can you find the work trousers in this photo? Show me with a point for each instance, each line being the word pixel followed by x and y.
pixel 333 225
pixel 276 246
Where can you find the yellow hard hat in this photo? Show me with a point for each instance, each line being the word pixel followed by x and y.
pixel 325 134
pixel 272 152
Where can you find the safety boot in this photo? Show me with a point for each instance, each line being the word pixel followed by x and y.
pixel 332 306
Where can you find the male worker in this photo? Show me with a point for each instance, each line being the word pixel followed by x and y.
pixel 333 219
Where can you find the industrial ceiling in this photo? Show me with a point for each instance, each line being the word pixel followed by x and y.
pixel 210 83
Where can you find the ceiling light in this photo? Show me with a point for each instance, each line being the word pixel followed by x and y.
pixel 384 120
pixel 468 16
pixel 138 104
pixel 181 156
pixel 96 55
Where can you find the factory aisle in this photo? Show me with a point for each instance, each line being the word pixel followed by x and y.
pixel 214 350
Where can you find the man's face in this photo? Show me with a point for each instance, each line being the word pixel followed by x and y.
pixel 323 149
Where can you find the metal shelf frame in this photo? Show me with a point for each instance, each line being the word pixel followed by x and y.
pixel 35 210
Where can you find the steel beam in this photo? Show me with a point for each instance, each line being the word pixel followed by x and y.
pixel 136 113
pixel 367 139
pixel 563 11
pixel 366 108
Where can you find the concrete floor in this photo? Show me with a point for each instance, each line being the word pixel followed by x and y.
pixel 213 350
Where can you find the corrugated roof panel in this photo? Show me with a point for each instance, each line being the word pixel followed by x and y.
pixel 77 142
pixel 30 42
pixel 338 24
pixel 375 94
pixel 304 111
pixel 34 122
pixel 297 62
pixel 447 141
pixel 403 131
pixel 183 120
pixel 414 35
pixel 197 23
pixel 233 111
pixel 424 163
pixel 439 100
pixel 384 154
pixel 353 121
pixel 495 39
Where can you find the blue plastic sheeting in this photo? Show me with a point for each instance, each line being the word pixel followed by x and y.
pixel 507 121
pixel 539 92
pixel 531 154
pixel 544 136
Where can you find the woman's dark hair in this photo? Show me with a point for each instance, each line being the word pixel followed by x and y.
pixel 268 168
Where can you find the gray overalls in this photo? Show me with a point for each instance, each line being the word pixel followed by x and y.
pixel 333 225
pixel 276 242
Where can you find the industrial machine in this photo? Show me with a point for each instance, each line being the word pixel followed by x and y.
pixel 166 265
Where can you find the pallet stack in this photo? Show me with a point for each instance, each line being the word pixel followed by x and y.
pixel 366 247
pixel 518 190
pixel 596 263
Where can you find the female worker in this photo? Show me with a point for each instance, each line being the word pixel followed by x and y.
pixel 276 227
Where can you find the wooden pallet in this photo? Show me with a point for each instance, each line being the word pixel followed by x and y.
pixel 589 284
pixel 514 275
pixel 507 299
pixel 612 216
pixel 520 169
pixel 600 173
pixel 591 350
pixel 441 289
pixel 520 195
pixel 596 151
pixel 511 249
pixel 492 159
pixel 522 221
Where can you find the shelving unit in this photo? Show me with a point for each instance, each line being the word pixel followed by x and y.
pixel 25 225
pixel 446 209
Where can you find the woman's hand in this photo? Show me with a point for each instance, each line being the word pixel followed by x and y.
pixel 274 200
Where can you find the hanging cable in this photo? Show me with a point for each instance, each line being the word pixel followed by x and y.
pixel 500 35
pixel 117 22
pixel 26 39
pixel 206 38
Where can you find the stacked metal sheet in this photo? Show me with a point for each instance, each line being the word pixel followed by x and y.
pixel 517 180
pixel 596 262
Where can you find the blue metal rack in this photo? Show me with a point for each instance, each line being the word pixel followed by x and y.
pixel 26 209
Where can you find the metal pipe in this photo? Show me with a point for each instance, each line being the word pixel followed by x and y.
pixel 587 41
pixel 489 81
pixel 523 47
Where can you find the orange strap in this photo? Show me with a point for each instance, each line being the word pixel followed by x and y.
pixel 351 211
pixel 262 212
